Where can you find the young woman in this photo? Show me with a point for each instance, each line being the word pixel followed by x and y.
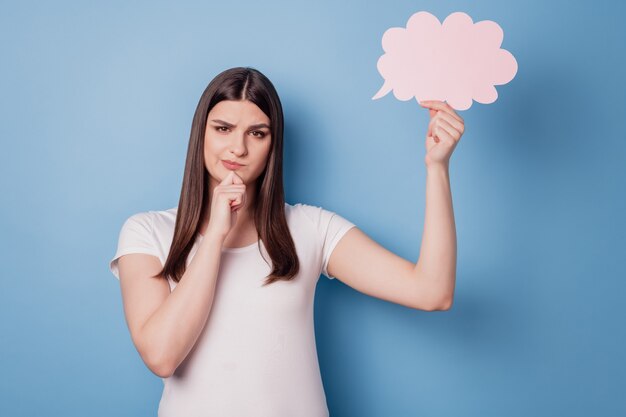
pixel 218 291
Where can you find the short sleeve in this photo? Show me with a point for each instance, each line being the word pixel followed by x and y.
pixel 331 227
pixel 135 237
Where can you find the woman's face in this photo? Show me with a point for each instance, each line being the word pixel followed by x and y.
pixel 237 131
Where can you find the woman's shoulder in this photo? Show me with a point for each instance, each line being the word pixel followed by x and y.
pixel 304 207
pixel 305 213
pixel 139 220
pixel 155 222
pixel 296 207
pixel 148 216
pixel 164 214
pixel 163 221
pixel 310 210
pixel 319 217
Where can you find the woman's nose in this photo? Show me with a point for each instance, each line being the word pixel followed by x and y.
pixel 238 146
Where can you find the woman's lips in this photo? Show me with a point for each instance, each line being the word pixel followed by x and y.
pixel 230 166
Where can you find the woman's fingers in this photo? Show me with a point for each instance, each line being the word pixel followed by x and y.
pixel 453 120
pixel 446 126
pixel 238 200
pixel 458 126
pixel 444 136
pixel 441 116
pixel 440 105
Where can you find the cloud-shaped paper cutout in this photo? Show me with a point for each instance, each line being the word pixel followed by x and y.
pixel 454 61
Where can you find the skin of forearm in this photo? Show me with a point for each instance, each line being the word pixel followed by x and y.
pixel 437 260
pixel 174 327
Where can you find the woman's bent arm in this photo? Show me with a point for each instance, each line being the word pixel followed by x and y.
pixel 165 326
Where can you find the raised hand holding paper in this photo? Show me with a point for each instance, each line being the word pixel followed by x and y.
pixel 456 61
pixel 444 132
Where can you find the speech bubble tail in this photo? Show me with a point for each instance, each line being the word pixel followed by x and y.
pixel 384 90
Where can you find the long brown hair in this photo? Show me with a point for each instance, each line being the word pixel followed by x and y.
pixel 239 83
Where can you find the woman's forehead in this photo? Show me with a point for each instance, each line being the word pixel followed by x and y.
pixel 239 109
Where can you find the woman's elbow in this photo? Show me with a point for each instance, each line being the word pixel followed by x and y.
pixel 156 360
pixel 446 304
pixel 159 365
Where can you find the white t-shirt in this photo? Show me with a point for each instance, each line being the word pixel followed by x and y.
pixel 256 355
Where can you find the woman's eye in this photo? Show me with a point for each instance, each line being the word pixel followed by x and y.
pixel 257 133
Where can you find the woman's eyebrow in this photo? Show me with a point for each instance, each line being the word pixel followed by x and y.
pixel 256 126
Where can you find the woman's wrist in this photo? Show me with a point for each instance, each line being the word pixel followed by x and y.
pixel 214 237
pixel 438 168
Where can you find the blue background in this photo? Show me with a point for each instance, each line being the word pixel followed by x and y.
pixel 97 102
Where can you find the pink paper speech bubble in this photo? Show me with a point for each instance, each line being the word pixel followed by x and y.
pixel 456 61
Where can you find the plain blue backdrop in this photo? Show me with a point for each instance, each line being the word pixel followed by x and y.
pixel 97 101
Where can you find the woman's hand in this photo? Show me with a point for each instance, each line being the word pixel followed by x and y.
pixel 444 132
pixel 228 197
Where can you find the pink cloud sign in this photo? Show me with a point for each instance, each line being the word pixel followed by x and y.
pixel 456 61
